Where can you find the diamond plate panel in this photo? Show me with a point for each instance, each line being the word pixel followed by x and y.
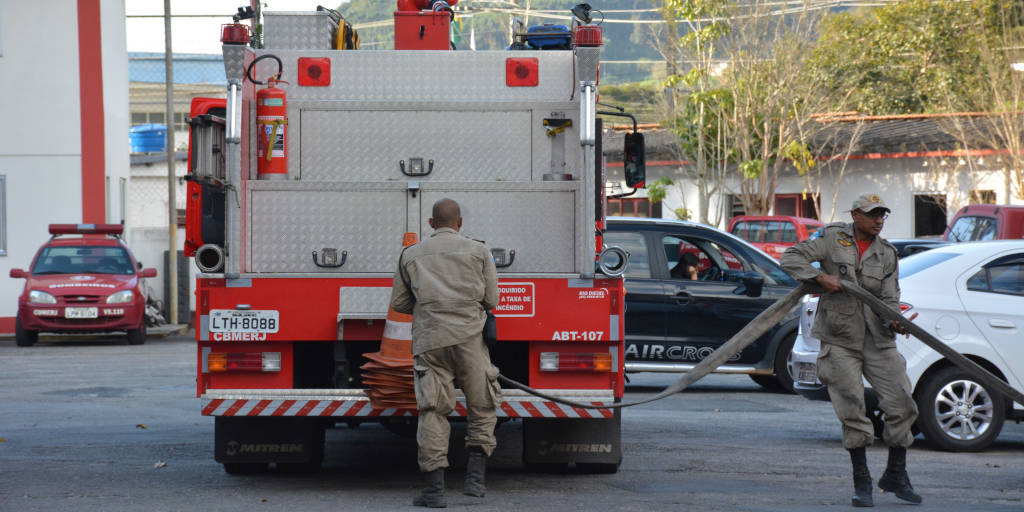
pixel 538 224
pixel 287 30
pixel 368 145
pixel 288 224
pixel 587 61
pixel 442 76
pixel 365 301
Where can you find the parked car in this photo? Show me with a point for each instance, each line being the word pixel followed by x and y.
pixel 986 222
pixel 86 283
pixel 773 234
pixel 674 319
pixel 971 297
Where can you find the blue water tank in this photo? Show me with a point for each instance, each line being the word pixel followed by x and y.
pixel 147 138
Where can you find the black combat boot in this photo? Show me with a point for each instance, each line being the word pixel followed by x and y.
pixel 861 479
pixel 476 468
pixel 433 494
pixel 895 478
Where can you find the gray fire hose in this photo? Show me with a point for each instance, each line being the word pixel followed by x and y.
pixel 765 321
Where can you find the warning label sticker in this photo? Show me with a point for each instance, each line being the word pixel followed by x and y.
pixel 515 299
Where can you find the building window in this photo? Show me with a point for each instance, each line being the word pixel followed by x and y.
pixel 797 205
pixel 3 215
pixel 634 207
pixel 982 197
pixel 158 118
pixel 929 214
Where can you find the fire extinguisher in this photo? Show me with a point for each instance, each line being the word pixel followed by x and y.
pixel 271 126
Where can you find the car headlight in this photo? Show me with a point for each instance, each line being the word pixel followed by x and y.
pixel 120 297
pixel 41 297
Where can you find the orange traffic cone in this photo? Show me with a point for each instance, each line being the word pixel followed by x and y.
pixel 388 375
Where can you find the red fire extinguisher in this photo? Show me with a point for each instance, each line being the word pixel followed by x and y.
pixel 272 139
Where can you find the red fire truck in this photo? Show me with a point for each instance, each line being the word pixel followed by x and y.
pixel 301 191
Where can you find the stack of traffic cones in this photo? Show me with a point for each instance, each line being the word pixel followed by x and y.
pixel 388 375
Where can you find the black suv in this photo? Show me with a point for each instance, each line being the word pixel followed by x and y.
pixel 691 287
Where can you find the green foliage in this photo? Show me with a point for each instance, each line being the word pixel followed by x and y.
pixel 702 124
pixel 657 191
pixel 682 213
pixel 799 155
pixel 907 56
pixel 751 169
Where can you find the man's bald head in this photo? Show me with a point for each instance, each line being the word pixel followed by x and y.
pixel 446 214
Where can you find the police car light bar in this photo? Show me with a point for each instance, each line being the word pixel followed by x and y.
pixel 86 229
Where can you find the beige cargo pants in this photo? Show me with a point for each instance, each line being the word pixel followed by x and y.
pixel 885 369
pixel 436 373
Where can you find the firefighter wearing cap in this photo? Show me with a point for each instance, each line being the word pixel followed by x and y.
pixel 856 342
pixel 447 282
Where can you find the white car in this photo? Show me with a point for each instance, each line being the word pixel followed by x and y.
pixel 971 297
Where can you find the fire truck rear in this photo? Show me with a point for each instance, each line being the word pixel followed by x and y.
pixel 303 185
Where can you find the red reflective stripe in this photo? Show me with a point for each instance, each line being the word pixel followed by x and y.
pixel 308 407
pixel 461 409
pixel 212 406
pixel 582 412
pixel 376 412
pixel 607 413
pixel 331 407
pixel 352 411
pixel 259 408
pixel 235 407
pixel 559 413
pixel 531 409
pixel 283 408
pixel 509 410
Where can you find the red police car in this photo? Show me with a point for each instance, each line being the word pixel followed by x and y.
pixel 87 283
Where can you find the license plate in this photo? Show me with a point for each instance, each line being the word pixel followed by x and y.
pixel 808 373
pixel 245 320
pixel 80 313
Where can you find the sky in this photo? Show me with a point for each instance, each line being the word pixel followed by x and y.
pixel 194 35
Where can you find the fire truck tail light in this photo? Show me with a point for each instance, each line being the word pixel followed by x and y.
pixel 904 307
pixel 244 361
pixel 575 362
pixel 522 72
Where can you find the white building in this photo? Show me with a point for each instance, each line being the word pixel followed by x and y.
pixel 911 161
pixel 64 141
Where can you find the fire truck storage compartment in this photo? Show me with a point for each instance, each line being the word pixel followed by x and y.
pixel 417 30
pixel 465 142
pixel 295 30
pixel 537 224
pixel 290 220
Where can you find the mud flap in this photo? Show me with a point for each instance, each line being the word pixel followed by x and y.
pixel 265 440
pixel 581 441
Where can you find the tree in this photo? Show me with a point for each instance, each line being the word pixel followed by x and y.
pixel 694 107
pixel 904 57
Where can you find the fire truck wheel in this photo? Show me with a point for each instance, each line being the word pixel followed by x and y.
pixel 598 468
pixel 137 336
pixel 237 468
pixel 547 467
pixel 22 337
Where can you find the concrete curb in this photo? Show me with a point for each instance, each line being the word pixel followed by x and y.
pixel 160 331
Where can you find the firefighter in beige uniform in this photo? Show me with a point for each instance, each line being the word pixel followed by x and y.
pixel 447 282
pixel 855 341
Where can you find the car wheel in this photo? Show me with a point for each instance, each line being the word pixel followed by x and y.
pixel 784 363
pixel 137 336
pixel 877 417
pixel 957 413
pixel 22 337
pixel 782 379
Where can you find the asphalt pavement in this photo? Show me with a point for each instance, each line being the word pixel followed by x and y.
pixel 100 425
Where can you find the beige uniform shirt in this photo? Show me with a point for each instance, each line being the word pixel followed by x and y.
pixel 453 282
pixel 842 319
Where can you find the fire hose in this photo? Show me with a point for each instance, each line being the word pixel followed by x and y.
pixel 768 319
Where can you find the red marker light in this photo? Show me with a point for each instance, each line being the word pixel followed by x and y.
pixel 522 72
pixel 314 72
pixel 86 229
